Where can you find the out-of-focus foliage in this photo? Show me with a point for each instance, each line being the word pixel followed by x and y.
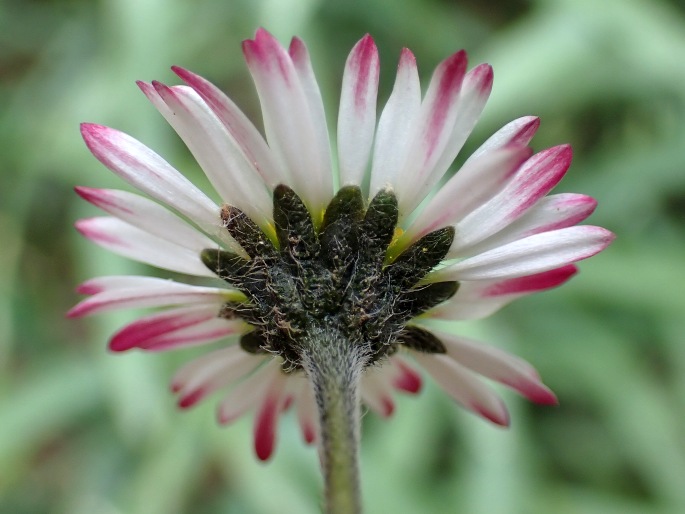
pixel 83 432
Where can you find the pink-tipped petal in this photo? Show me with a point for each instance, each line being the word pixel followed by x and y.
pixel 406 378
pixel 517 133
pixel 388 406
pixel 247 393
pixel 146 215
pixel 441 99
pixel 183 326
pixel 292 129
pixel 498 416
pixel 549 213
pixel 357 114
pixel 201 369
pixel 471 186
pixel 303 67
pixel 87 288
pixel 278 397
pixel 462 385
pixel 105 199
pixel 433 129
pixel 533 254
pixel 243 132
pixel 479 299
pixel 265 428
pixel 306 412
pixel 215 150
pixel 309 433
pixel 208 332
pixel 531 283
pixel 124 239
pixel 464 308
pixel 536 392
pixel 394 135
pixel 191 398
pixel 116 282
pixel 555 212
pixel 147 171
pixel 498 365
pixel 212 371
pixel 474 93
pixel 533 180
pixel 376 390
pixel 160 294
pixel 111 283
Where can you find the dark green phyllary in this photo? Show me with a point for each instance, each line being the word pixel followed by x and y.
pixel 332 277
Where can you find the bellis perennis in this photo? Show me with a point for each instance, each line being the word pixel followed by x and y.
pixel 353 243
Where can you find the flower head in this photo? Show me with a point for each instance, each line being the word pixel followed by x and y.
pixel 355 245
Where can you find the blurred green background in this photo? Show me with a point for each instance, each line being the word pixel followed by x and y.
pixel 83 431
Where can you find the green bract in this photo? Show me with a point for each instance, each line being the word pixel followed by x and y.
pixel 334 277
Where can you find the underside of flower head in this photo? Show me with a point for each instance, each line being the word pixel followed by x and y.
pixel 334 276
pixel 372 256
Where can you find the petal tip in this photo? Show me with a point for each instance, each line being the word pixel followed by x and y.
pixel 483 75
pixel 90 131
pixel 566 151
pixel 191 398
pixel 388 407
pixel 74 312
pixel 117 345
pixel 533 121
pixel 407 58
pixel 309 433
pixel 89 194
pixel 366 44
pixel 499 416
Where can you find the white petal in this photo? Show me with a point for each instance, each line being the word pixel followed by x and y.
pixel 217 153
pixel 532 254
pixel 291 128
pixel 117 282
pixel 184 326
pixel 403 376
pixel 534 179
pixel 473 184
pixel 376 391
pixel 463 309
pixel 462 385
pixel 196 371
pixel 395 128
pixel 498 365
pixel 549 213
pixel 248 139
pixel 212 371
pixel 476 300
pixel 303 66
pixel 267 414
pixel 129 241
pixel 307 415
pixel 146 215
pixel 162 293
pixel 147 171
pixel 357 114
pixel 517 133
pixel 432 132
pixel 473 95
pixel 247 393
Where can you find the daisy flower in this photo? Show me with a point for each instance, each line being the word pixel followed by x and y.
pixel 322 269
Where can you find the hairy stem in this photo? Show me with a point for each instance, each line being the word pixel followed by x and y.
pixel 334 365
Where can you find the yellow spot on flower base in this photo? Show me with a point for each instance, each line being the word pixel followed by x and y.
pixel 396 246
pixel 269 230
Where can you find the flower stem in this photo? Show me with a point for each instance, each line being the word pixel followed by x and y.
pixel 334 365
